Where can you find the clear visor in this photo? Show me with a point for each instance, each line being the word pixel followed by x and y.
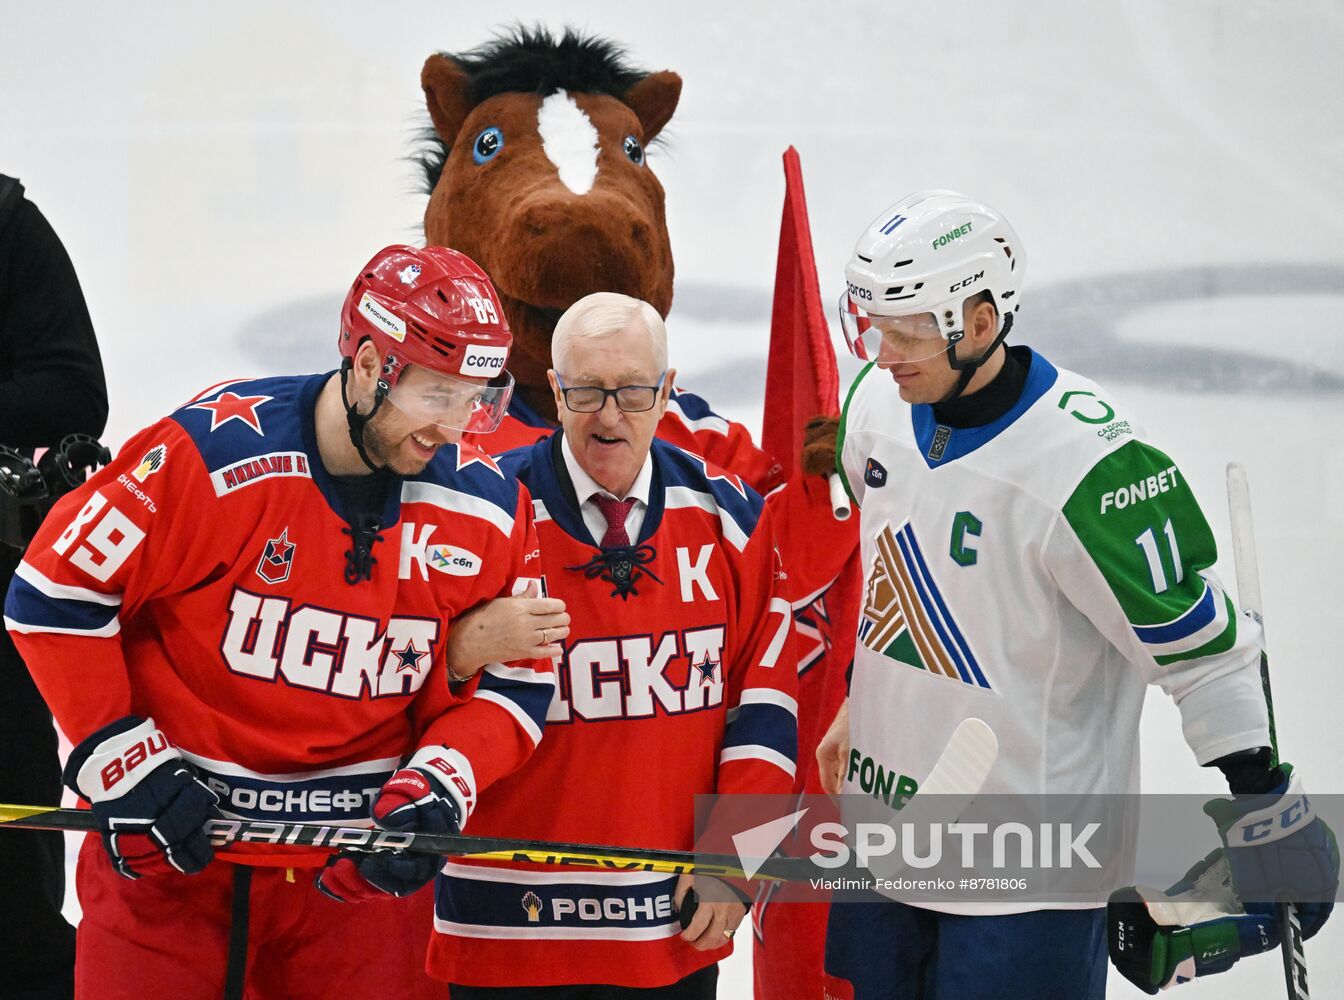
pixel 456 402
pixel 892 339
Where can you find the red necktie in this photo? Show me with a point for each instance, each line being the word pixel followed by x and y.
pixel 615 512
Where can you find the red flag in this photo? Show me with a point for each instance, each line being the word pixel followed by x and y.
pixel 801 382
pixel 801 379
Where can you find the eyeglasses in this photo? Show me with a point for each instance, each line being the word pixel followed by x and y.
pixel 591 398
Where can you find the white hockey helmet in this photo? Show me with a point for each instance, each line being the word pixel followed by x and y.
pixel 919 261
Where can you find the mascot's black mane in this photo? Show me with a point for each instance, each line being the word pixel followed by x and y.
pixel 532 61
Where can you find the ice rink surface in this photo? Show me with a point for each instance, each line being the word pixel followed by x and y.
pixel 219 171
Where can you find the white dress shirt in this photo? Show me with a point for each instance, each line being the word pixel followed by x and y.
pixel 585 487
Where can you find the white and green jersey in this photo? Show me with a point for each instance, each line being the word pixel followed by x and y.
pixel 1036 573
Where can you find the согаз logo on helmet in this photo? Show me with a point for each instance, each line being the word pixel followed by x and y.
pixel 484 359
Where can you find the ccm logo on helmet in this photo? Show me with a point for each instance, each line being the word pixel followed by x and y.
pixel 855 292
pixel 966 282
pixel 484 360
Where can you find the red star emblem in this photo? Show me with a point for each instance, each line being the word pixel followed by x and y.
pixel 278 549
pixel 468 455
pixel 231 406
pixel 713 472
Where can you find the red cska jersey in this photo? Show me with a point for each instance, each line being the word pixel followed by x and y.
pixel 200 580
pixel 685 686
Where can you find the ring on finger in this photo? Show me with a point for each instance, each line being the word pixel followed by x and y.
pixel 545 637
pixel 728 933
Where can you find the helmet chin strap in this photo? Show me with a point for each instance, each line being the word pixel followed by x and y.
pixel 356 420
pixel 969 368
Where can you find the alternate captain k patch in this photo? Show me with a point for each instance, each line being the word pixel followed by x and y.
pixel 905 616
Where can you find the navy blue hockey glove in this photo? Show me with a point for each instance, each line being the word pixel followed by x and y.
pixel 431 794
pixel 151 807
pixel 1279 850
pixel 435 792
pixel 1196 928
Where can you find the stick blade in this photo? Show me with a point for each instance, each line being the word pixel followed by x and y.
pixel 953 782
pixel 966 761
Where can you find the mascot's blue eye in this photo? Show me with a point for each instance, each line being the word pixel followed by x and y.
pixel 634 150
pixel 488 143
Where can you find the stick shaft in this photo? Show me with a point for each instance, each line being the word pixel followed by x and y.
pixel 1247 562
pixel 223 832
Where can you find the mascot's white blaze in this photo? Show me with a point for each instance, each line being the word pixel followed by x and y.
pixel 569 140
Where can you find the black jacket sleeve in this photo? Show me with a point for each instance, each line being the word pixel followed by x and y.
pixel 51 375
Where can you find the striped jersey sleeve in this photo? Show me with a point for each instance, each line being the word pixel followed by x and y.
pixel 102 550
pixel 1147 560
pixel 760 740
pixel 1140 523
pixel 500 725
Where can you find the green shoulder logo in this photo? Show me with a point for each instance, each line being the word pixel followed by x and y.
pixel 1089 410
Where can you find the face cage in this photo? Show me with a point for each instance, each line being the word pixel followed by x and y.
pixel 458 404
pixel 864 339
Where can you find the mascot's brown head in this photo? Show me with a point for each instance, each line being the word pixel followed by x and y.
pixel 537 171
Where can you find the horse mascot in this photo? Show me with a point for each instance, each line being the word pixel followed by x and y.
pixel 536 169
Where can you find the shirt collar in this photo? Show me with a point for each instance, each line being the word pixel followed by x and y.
pixel 585 485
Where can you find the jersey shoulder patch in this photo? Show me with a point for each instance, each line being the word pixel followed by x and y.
pixel 1084 411
pixel 691 481
pixel 461 476
pixel 695 413
pixel 250 429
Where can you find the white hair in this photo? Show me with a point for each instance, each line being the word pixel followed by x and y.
pixel 605 314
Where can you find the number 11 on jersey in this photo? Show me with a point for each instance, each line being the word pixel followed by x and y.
pixel 1152 552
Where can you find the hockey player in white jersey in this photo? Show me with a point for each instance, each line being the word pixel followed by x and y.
pixel 1032 559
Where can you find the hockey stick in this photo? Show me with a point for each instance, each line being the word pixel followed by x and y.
pixel 223 832
pixel 953 781
pixel 1248 591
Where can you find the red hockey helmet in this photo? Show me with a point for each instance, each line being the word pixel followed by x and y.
pixel 428 306
pixel 432 307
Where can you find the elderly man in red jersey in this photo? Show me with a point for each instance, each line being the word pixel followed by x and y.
pixel 677 679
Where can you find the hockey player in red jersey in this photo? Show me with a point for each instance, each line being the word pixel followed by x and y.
pixel 678 678
pixel 250 613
